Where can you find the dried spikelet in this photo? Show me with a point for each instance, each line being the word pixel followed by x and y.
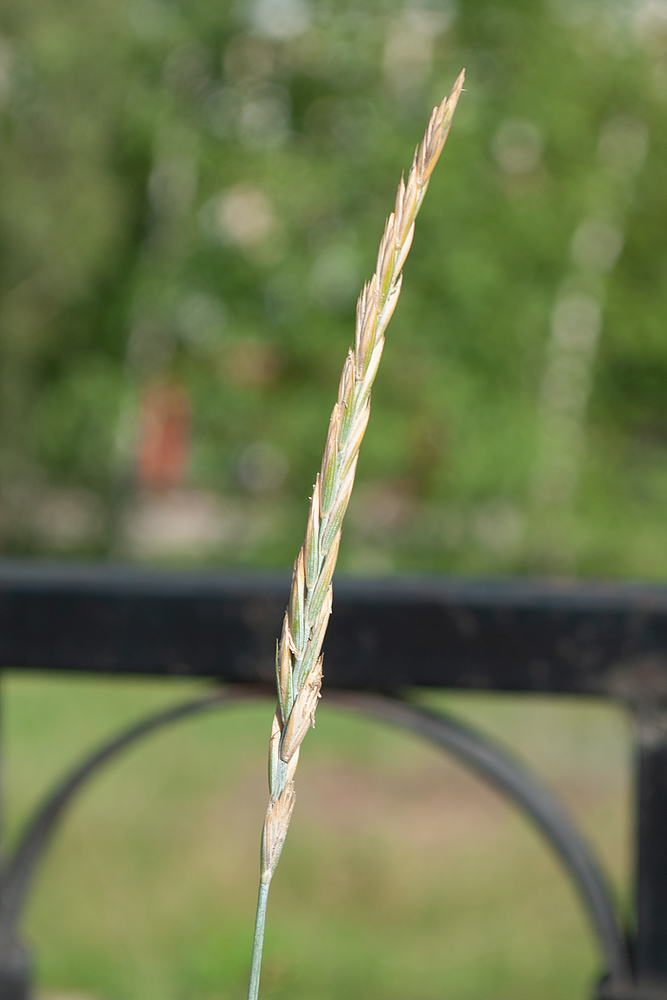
pixel 328 473
pixel 357 431
pixel 385 261
pixel 278 816
pixel 303 713
pixel 367 307
pixel 346 383
pixel 320 625
pixel 327 571
pixel 406 200
pixel 373 366
pixel 337 514
pixel 274 747
pixel 284 671
pixel 297 599
pixel 316 637
pixel 405 248
pixel 312 543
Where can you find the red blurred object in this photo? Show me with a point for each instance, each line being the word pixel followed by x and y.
pixel 164 445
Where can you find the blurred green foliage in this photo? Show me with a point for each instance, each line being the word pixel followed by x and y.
pixel 193 193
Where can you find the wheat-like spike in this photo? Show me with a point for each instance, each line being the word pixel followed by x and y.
pixel 298 654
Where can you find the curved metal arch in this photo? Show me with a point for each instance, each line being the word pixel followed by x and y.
pixel 515 781
pixel 40 829
pixel 474 750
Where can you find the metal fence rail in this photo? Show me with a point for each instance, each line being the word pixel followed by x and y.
pixel 386 637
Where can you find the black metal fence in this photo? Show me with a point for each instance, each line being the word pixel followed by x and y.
pixel 386 638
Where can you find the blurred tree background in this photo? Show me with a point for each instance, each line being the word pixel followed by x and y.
pixel 191 197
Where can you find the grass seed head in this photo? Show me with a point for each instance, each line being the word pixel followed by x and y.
pixel 298 653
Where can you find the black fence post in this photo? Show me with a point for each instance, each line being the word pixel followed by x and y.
pixel 649 945
pixel 651 845
pixel 14 960
pixel 15 975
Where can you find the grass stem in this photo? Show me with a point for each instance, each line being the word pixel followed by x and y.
pixel 258 940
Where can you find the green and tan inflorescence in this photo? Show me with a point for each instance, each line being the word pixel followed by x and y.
pixel 298 658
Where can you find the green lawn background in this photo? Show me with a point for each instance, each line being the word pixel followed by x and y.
pixel 404 876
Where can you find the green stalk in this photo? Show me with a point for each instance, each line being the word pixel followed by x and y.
pixel 258 940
